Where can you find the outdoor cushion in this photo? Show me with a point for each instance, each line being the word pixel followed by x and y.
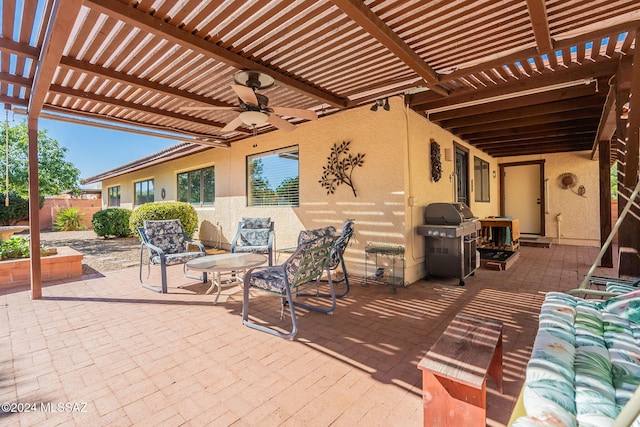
pixel 583 380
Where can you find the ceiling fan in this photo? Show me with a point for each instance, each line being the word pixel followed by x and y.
pixel 254 107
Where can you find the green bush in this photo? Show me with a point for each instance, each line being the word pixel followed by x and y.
pixel 17 247
pixel 69 219
pixel 112 222
pixel 18 209
pixel 165 210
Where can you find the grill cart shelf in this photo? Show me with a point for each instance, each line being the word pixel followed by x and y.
pixel 375 256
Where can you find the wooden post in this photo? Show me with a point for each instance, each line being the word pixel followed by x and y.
pixel 604 163
pixel 34 211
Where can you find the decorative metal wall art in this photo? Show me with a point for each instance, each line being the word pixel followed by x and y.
pixel 436 164
pixel 568 181
pixel 340 167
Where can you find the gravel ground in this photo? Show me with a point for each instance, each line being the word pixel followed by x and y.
pixel 100 254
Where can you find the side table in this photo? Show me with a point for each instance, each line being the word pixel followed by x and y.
pixel 455 369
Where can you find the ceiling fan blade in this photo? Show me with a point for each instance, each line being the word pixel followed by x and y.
pixel 247 94
pixel 232 125
pixel 280 123
pixel 295 112
pixel 211 107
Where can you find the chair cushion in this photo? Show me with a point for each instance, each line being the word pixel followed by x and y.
pixel 254 237
pixel 167 235
pixel 269 278
pixel 309 235
pixel 179 258
pixel 256 222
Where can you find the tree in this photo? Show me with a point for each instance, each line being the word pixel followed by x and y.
pixel 54 172
pixel 260 187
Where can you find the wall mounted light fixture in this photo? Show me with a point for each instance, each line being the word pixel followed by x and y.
pixel 384 103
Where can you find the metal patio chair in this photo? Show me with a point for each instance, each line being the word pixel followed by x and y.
pixel 304 267
pixel 167 244
pixel 255 235
pixel 337 252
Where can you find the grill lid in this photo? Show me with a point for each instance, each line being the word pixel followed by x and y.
pixel 448 213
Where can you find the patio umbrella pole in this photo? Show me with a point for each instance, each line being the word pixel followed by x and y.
pixel 595 264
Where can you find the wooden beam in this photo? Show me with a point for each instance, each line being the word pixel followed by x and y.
pixel 34 208
pixel 604 169
pixel 522 101
pixel 59 26
pixel 523 112
pixel 15 80
pixel 607 124
pixel 370 22
pixel 94 97
pixel 87 67
pixel 540 25
pixel 633 128
pixel 20 49
pixel 511 90
pixel 148 23
pixel 527 137
pixel 549 128
pixel 593 113
pixel 63 16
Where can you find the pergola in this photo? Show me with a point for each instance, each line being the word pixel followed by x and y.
pixel 509 77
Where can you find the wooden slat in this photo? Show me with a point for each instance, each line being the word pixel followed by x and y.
pixel 633 129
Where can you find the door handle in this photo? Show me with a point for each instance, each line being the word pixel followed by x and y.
pixel 538 201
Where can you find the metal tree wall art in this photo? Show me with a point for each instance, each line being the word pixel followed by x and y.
pixel 340 167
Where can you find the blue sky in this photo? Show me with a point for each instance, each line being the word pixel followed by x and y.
pixel 94 150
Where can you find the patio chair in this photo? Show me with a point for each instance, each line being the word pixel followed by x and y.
pixel 254 235
pixel 167 244
pixel 304 267
pixel 337 252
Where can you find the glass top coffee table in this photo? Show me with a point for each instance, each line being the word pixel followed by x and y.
pixel 226 269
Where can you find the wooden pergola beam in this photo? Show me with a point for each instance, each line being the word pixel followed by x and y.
pixel 359 12
pixel 148 23
pixel 87 67
pixel 540 25
pixel 633 127
pixel 131 106
pixel 59 26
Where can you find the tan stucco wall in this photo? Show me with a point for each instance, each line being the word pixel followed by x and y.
pixel 580 219
pixel 396 169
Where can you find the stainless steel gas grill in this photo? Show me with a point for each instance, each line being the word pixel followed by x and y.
pixel 451 233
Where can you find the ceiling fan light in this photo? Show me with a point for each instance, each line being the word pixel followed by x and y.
pixel 253 118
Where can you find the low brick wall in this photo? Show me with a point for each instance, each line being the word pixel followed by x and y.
pixel 66 264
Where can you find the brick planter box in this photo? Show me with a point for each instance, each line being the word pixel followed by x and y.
pixel 66 264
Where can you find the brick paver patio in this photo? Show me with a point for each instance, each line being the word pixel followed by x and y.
pixel 117 354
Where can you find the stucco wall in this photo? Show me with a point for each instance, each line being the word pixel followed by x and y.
pixel 580 219
pixel 393 187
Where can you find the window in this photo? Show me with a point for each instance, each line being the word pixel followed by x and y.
pixel 197 187
pixel 113 194
pixel 272 178
pixel 143 192
pixel 481 177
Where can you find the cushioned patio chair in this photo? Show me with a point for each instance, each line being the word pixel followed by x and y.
pixel 304 267
pixel 254 235
pixel 337 252
pixel 166 243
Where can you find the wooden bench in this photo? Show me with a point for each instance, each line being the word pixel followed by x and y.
pixel 454 372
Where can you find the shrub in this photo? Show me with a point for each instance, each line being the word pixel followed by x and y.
pixel 165 210
pixel 17 247
pixel 112 222
pixel 69 219
pixel 18 209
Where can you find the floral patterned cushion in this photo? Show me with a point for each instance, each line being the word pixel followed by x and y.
pixel 306 264
pixel 256 222
pixel 167 235
pixel 585 362
pixel 258 239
